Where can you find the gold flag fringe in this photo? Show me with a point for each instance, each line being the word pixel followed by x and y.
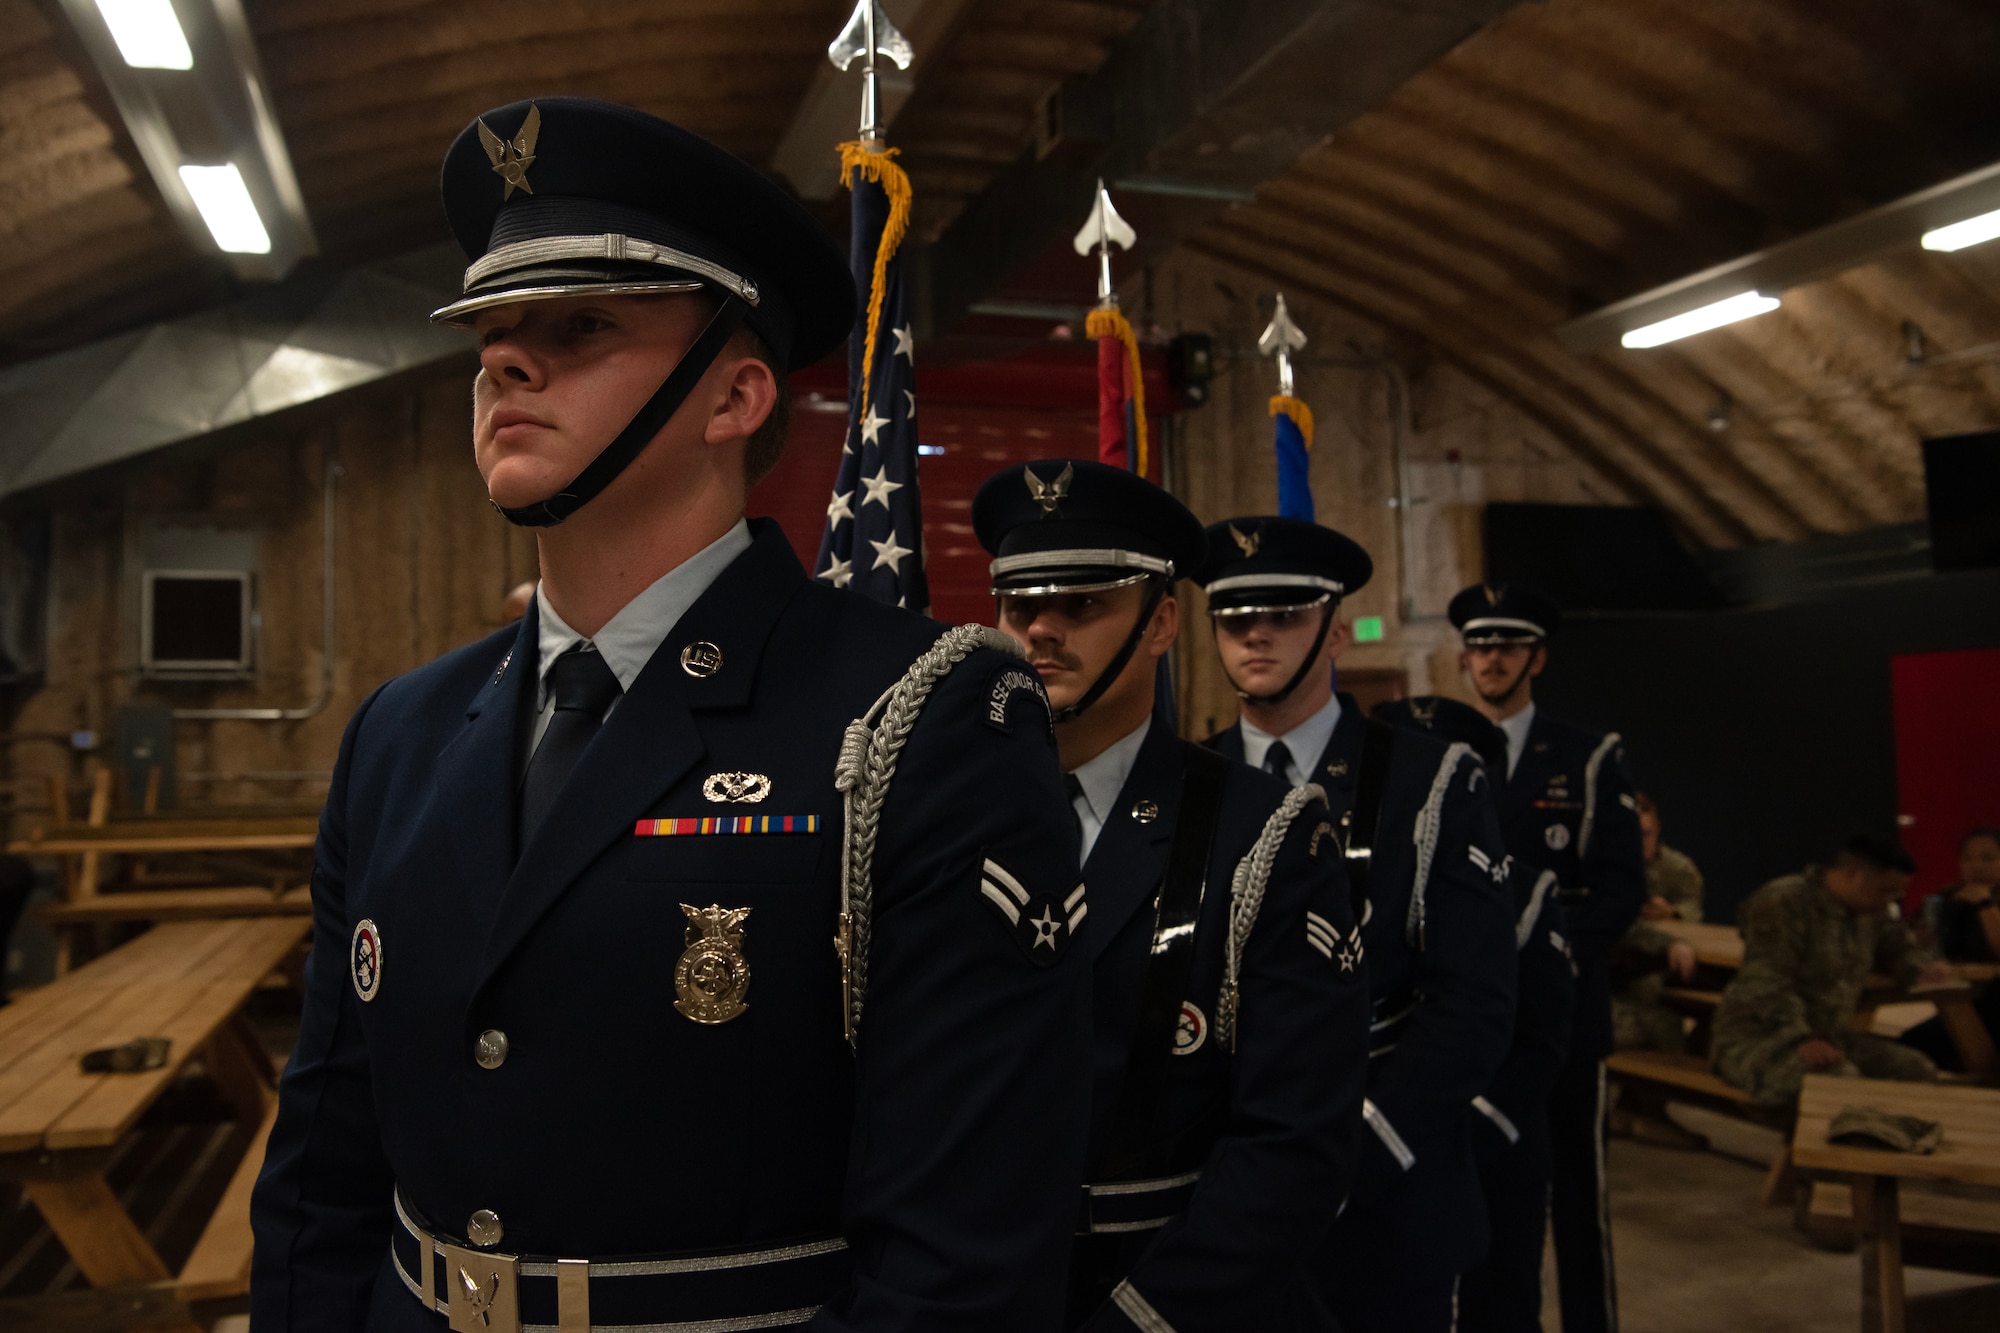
pixel 872 162
pixel 1110 323
pixel 1301 415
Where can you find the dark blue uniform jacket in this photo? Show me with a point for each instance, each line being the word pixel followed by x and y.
pixel 1442 1014
pixel 1273 1128
pixel 948 1152
pixel 1569 808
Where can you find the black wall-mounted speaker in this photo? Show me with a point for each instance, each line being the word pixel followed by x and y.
pixel 1962 489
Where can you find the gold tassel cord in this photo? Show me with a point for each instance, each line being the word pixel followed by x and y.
pixel 1110 323
pixel 860 161
pixel 1301 415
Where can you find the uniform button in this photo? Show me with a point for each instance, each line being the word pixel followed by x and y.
pixel 483 1228
pixel 491 1049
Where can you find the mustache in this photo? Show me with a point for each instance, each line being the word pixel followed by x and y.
pixel 1066 661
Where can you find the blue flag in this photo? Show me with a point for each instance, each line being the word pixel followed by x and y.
pixel 1294 443
pixel 874 538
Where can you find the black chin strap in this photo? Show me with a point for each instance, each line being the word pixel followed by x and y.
pixel 616 456
pixel 1298 677
pixel 1118 663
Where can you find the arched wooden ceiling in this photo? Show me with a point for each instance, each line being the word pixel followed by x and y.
pixel 368 93
pixel 1571 154
pixel 1577 152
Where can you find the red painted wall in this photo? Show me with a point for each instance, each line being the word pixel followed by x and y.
pixel 986 415
pixel 1947 710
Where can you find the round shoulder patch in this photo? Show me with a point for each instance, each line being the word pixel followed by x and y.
pixel 364 958
pixel 1192 1031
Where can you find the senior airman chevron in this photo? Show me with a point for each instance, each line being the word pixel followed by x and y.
pixel 682 828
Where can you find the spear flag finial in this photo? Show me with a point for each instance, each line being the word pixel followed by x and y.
pixel 1101 230
pixel 1281 339
pixel 869 34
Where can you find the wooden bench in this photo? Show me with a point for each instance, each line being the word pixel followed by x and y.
pixel 186 981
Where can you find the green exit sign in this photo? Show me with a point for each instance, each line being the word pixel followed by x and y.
pixel 1368 629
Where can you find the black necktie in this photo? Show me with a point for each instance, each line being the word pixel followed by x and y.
pixel 1075 790
pixel 584 686
pixel 1278 762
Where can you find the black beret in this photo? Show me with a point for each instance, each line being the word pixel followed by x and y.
pixel 1449 720
pixel 1262 562
pixel 1062 524
pixel 564 195
pixel 1504 613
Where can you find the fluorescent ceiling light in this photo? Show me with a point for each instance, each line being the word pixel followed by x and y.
pixel 1741 306
pixel 148 34
pixel 225 206
pixel 1961 234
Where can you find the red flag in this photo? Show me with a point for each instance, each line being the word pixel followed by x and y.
pixel 1121 392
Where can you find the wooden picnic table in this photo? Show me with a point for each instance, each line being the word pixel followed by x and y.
pixel 1722 946
pixel 185 981
pixel 1969 1154
pixel 1714 945
pixel 152 837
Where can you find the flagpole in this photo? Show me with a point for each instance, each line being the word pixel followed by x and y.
pixel 1121 394
pixel 1293 418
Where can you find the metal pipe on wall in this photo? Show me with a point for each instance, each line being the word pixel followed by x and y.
pixel 325 696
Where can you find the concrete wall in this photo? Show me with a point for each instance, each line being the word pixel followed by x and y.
pixel 421 564
pixel 1463 446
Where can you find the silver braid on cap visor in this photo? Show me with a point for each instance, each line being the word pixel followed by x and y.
pixel 1500 629
pixel 1332 606
pixel 611 247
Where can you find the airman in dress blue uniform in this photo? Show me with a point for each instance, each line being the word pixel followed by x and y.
pixel 1510 1136
pixel 656 981
pixel 1566 807
pixel 1231 1007
pixel 1432 888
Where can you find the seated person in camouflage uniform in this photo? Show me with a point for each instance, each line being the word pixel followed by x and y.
pixel 1809 943
pixel 1647 956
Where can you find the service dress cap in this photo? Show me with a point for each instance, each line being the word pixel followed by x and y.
pixel 1265 563
pixel 567 196
pixel 1510 612
pixel 1069 525
pixel 1449 720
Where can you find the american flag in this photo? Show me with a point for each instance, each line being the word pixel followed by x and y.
pixel 874 538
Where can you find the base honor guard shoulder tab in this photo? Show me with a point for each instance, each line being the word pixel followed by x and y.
pixel 1011 681
pixel 862 775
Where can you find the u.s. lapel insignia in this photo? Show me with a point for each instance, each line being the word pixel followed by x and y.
pixel 1337 769
pixel 712 976
pixel 1556 836
pixel 1247 541
pixel 1049 494
pixel 1191 1032
pixel 743 788
pixel 364 958
pixel 511 158
pixel 1044 924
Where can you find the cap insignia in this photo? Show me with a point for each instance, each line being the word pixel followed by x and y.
pixel 1249 541
pixel 511 158
pixel 1049 494
pixel 1492 594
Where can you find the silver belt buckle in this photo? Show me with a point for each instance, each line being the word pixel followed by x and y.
pixel 482 1296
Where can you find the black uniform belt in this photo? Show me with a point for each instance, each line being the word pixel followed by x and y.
pixel 1134 1205
pixel 726 1291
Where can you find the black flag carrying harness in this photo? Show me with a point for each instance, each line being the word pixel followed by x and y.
pixel 630 442
pixel 1135 1149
